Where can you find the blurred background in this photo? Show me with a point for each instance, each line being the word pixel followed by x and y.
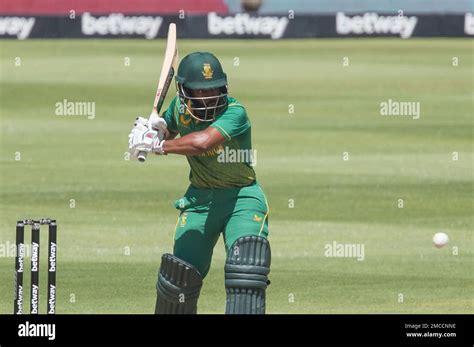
pixel 236 18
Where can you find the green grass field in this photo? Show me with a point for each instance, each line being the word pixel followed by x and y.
pixel 123 219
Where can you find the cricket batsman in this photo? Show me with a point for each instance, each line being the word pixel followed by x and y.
pixel 223 197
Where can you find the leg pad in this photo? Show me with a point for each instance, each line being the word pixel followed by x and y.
pixel 246 275
pixel 178 286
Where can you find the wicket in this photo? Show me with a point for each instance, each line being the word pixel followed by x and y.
pixel 35 263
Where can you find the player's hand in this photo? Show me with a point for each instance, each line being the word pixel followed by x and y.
pixel 156 122
pixel 143 139
pixel 135 138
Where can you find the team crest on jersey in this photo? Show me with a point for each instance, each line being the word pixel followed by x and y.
pixel 257 218
pixel 184 116
pixel 207 71
pixel 184 120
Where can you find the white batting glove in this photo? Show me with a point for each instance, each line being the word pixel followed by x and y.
pixel 143 139
pixel 140 120
pixel 156 122
pixel 158 147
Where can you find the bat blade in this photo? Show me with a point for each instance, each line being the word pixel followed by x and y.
pixel 168 69
pixel 166 76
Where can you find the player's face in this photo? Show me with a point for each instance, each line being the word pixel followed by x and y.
pixel 203 104
pixel 205 93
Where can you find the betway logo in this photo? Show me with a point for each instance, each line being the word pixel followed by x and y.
pixel 242 24
pixel 34 298
pixel 52 258
pixel 118 24
pixel 19 303
pixel 372 23
pixel 21 257
pixel 469 24
pixel 34 256
pixel 52 299
pixel 16 26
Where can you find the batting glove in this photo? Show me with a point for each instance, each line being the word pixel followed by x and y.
pixel 143 139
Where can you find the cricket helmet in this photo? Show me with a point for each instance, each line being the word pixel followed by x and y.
pixel 202 71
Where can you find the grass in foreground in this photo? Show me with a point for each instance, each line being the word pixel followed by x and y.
pixel 111 241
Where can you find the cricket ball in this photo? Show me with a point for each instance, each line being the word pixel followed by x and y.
pixel 440 239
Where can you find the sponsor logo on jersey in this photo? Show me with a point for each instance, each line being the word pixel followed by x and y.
pixel 216 151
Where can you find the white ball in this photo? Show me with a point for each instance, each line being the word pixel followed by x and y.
pixel 440 239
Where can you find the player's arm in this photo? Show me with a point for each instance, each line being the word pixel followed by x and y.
pixel 194 143
pixel 232 123
pixel 170 135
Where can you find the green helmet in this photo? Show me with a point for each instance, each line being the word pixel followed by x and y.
pixel 202 85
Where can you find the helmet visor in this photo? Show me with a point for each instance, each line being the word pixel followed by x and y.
pixel 203 108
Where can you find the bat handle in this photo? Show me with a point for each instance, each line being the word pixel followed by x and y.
pixel 141 156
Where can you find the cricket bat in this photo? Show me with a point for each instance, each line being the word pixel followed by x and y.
pixel 166 76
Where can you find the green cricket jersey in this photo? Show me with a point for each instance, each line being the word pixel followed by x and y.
pixel 227 165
